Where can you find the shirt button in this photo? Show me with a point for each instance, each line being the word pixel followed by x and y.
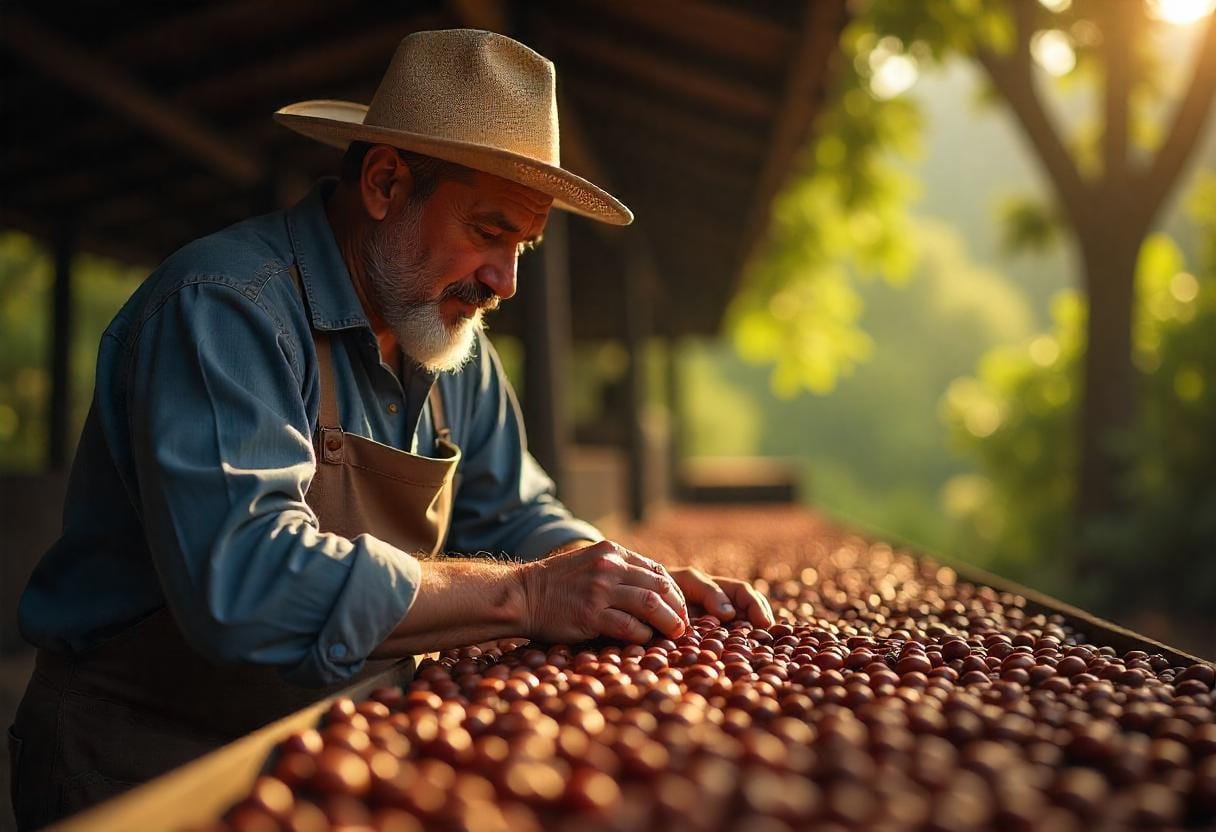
pixel 392 407
pixel 337 651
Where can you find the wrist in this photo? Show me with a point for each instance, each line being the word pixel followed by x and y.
pixel 519 591
pixel 570 546
pixel 527 577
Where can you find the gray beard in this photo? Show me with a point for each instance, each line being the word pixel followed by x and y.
pixel 398 277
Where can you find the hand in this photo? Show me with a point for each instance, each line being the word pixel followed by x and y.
pixel 601 590
pixel 724 596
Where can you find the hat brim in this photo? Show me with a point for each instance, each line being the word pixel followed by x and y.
pixel 338 123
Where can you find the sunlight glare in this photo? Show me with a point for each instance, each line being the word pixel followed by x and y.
pixel 1181 12
pixel 892 71
pixel 1184 287
pixel 1052 50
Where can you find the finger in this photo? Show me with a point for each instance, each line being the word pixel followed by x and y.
pixel 768 605
pixel 649 564
pixel 622 626
pixel 663 585
pixel 704 590
pixel 648 607
pixel 754 605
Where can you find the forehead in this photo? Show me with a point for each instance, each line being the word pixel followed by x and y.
pixel 488 193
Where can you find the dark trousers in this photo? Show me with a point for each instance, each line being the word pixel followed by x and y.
pixel 71 748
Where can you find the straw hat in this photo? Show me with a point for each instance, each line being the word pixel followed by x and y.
pixel 476 98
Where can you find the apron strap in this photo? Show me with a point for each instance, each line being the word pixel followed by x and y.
pixel 328 416
pixel 438 415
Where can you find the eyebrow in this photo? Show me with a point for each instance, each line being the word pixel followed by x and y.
pixel 499 220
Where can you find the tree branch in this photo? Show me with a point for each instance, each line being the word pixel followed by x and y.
pixel 1118 70
pixel 1013 78
pixel 1188 123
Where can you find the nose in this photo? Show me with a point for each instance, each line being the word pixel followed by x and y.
pixel 499 277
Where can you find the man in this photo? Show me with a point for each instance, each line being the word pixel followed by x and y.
pixel 293 416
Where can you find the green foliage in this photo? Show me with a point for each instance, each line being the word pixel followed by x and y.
pixel 1027 225
pixel 26 273
pixel 844 216
pixel 1171 487
pixel 873 453
pixel 25 279
pixel 1017 418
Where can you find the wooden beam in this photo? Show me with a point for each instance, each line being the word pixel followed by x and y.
pixel 544 289
pixel 96 78
pixel 489 15
pixel 673 379
pixel 134 205
pixel 261 131
pixel 687 128
pixel 821 25
pixel 180 37
pixel 719 92
pixel 668 161
pixel 724 31
pixel 306 68
pixel 86 184
pixel 32 162
pixel 576 149
pixel 303 70
pixel 638 280
pixel 230 22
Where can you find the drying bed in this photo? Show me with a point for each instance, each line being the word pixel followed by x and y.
pixel 892 694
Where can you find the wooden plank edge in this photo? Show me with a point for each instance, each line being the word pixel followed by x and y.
pixel 199 791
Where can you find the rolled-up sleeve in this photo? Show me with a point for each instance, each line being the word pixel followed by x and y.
pixel 223 457
pixel 506 503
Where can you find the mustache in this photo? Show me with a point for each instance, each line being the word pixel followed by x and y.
pixel 472 292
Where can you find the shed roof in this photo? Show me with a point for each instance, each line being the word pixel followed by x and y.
pixel 146 125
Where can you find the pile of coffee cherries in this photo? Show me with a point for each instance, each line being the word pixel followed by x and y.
pixel 890 695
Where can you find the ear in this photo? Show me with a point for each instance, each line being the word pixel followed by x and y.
pixel 386 178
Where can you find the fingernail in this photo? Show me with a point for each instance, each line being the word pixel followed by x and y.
pixel 727 608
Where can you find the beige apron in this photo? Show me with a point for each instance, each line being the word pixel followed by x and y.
pixel 94 724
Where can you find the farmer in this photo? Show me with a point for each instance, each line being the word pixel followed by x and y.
pixel 295 417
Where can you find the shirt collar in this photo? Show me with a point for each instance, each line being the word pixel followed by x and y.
pixel 332 300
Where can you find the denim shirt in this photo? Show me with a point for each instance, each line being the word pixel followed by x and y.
pixel 189 481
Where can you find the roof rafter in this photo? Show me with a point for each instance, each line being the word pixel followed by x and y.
pixel 735 97
pixel 821 24
pixel 97 78
pixel 723 31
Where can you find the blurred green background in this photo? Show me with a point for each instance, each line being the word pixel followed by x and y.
pixel 913 334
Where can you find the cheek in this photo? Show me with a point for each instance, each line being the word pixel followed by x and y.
pixel 449 267
pixel 456 259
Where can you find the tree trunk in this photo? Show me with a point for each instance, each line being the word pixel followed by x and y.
pixel 1108 391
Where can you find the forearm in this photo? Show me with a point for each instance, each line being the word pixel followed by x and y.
pixel 460 602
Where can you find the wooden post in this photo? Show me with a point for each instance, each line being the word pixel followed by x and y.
pixel 675 437
pixel 637 327
pixel 61 350
pixel 544 288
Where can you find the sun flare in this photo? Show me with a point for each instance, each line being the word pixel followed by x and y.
pixel 1181 12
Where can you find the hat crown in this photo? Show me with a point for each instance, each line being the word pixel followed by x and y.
pixel 467 85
